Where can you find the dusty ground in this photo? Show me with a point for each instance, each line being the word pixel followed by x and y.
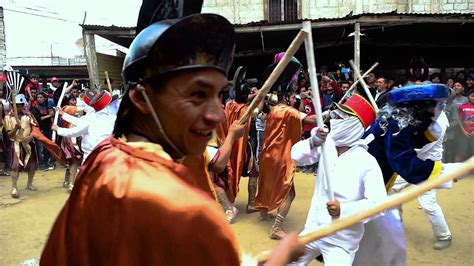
pixel 24 224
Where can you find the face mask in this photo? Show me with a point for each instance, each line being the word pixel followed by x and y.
pixel 344 132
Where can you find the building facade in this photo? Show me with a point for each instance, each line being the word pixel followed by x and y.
pixel 245 11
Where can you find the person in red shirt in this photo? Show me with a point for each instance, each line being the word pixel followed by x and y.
pixel 466 117
pixel 307 107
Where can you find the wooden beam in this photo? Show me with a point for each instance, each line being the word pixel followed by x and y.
pixel 91 58
pixel 357 45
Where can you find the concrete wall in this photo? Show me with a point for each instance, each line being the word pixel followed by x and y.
pixel 3 50
pixel 245 11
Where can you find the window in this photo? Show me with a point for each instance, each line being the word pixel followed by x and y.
pixel 282 10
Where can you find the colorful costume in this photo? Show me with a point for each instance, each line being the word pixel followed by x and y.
pixel 150 210
pixel 356 181
pixel 277 170
pixel 407 123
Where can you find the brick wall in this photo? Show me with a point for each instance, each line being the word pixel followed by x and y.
pixel 244 11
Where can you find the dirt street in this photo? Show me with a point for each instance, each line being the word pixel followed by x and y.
pixel 25 223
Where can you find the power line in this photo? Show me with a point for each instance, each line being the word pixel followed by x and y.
pixel 43 16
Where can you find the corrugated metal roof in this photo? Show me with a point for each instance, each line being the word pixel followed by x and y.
pixel 350 16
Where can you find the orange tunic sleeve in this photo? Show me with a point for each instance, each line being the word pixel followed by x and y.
pixel 276 167
pixel 131 207
pixel 233 112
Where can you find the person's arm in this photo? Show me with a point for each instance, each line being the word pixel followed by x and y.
pixel 11 130
pixel 309 120
pixel 306 152
pixel 71 132
pixel 219 163
pixel 402 156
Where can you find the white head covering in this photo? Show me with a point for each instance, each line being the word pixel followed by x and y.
pixel 346 131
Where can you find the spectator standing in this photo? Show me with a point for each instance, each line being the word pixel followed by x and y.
pixel 43 115
pixel 381 96
pixel 455 136
pixel 466 116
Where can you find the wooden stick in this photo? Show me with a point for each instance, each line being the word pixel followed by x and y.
pixel 316 100
pixel 390 202
pixel 292 49
pixel 56 114
pixel 364 85
pixel 357 82
pixel 108 81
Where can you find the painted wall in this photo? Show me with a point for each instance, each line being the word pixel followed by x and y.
pixel 245 11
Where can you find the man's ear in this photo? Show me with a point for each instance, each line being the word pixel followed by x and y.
pixel 137 99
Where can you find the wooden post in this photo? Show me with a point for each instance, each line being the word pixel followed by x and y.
pixel 316 99
pixel 91 58
pixel 357 45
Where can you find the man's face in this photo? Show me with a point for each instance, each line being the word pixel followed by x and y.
pixel 189 108
pixel 471 98
pixel 40 98
pixel 345 87
pixel 469 82
pixel 371 78
pixel 458 88
pixel 73 101
pixel 56 84
pixel 435 80
pixel 292 100
pixel 33 93
pixel 19 108
pixel 75 92
pixel 380 84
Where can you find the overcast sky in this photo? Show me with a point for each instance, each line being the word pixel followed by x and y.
pixel 37 27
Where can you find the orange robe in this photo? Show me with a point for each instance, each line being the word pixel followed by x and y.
pixel 198 166
pixel 277 170
pixel 131 206
pixel 233 112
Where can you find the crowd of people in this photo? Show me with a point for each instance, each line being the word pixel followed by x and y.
pixel 28 143
pixel 156 160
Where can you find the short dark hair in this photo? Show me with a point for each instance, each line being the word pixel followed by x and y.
pixel 34 76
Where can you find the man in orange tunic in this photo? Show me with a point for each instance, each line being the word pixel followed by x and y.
pixel 240 156
pixel 132 203
pixel 275 182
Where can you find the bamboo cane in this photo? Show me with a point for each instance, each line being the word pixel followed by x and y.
pixel 357 82
pixel 364 85
pixel 108 81
pixel 390 202
pixel 316 100
pixel 292 49
pixel 56 114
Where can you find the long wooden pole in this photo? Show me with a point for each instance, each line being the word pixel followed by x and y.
pixel 292 49
pixel 106 73
pixel 390 202
pixel 316 100
pixel 56 114
pixel 357 44
pixel 357 82
pixel 364 85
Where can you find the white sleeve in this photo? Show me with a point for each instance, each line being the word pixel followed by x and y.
pixel 72 119
pixel 373 193
pixel 302 154
pixel 74 131
pixel 211 151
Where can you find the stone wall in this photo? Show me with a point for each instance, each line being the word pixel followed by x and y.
pixel 3 50
pixel 245 11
